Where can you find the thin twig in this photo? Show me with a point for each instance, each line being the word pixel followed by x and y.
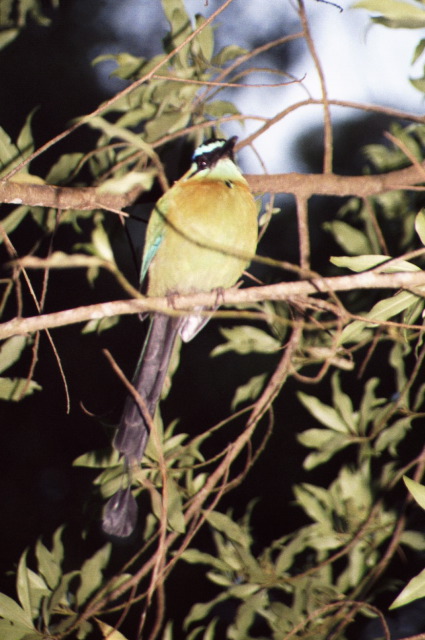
pixel 303 233
pixel 327 125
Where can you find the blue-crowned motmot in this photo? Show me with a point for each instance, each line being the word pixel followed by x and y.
pixel 201 236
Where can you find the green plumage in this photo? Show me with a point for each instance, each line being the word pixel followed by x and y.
pixel 202 234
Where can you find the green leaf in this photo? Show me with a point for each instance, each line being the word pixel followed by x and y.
pixel 228 53
pixel 39 592
pixel 23 177
pixel 10 351
pixel 327 443
pixel 414 590
pixel 10 610
pixel 25 142
pixel 285 559
pixel 395 13
pixel 315 438
pixel 98 459
pixel 247 613
pixel 210 632
pixel 116 582
pixel 13 220
pixel 193 556
pixel 343 403
pixel 8 151
pixel 179 21
pixel 63 169
pixel 168 632
pixel 115 131
pixel 220 579
pixel 91 575
pixel 420 48
pixel 11 631
pixel 418 83
pixel 204 40
pixel 310 503
pixel 15 389
pixel 391 436
pixel 128 64
pixel 101 244
pixel 381 311
pixel 109 632
pixel 111 480
pixel 368 405
pixel 249 391
pixel 61 260
pixel 332 446
pixel 246 339
pixel 220 108
pixel 174 443
pixel 323 413
pixel 364 263
pixel 417 490
pixel 60 595
pixel 23 588
pixel 167 123
pixel 231 529
pixel 420 225
pixel 101 325
pixel 126 182
pixel 175 515
pixel 413 539
pixel 58 551
pixel 47 565
pixel 7 36
pixel 156 502
pixel 200 610
pixel 352 240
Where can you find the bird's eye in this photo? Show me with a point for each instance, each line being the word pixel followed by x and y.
pixel 202 162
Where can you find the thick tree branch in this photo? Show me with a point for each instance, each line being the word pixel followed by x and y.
pixel 306 185
pixel 80 198
pixel 282 291
pixel 301 185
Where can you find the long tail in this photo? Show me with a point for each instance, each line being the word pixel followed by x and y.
pixel 133 432
pixel 120 513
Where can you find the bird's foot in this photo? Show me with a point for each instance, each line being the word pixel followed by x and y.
pixel 171 299
pixel 219 297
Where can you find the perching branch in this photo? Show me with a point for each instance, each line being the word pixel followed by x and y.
pixel 306 185
pixel 301 185
pixel 80 198
pixel 281 291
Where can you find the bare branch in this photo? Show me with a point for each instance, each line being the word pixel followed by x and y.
pixel 327 125
pixel 282 291
pixel 301 185
pixel 81 198
pixel 333 185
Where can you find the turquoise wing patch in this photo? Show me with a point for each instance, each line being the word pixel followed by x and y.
pixel 154 237
pixel 149 256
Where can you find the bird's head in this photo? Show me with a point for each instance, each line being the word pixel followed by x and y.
pixel 214 159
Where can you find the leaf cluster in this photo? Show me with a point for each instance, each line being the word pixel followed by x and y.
pixel 49 599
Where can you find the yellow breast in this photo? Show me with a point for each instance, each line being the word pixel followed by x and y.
pixel 209 238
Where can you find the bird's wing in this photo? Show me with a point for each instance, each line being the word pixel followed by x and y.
pixel 154 235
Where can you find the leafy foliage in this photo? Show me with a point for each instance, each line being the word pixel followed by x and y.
pixel 14 17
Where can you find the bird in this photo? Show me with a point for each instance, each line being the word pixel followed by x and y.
pixel 201 236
